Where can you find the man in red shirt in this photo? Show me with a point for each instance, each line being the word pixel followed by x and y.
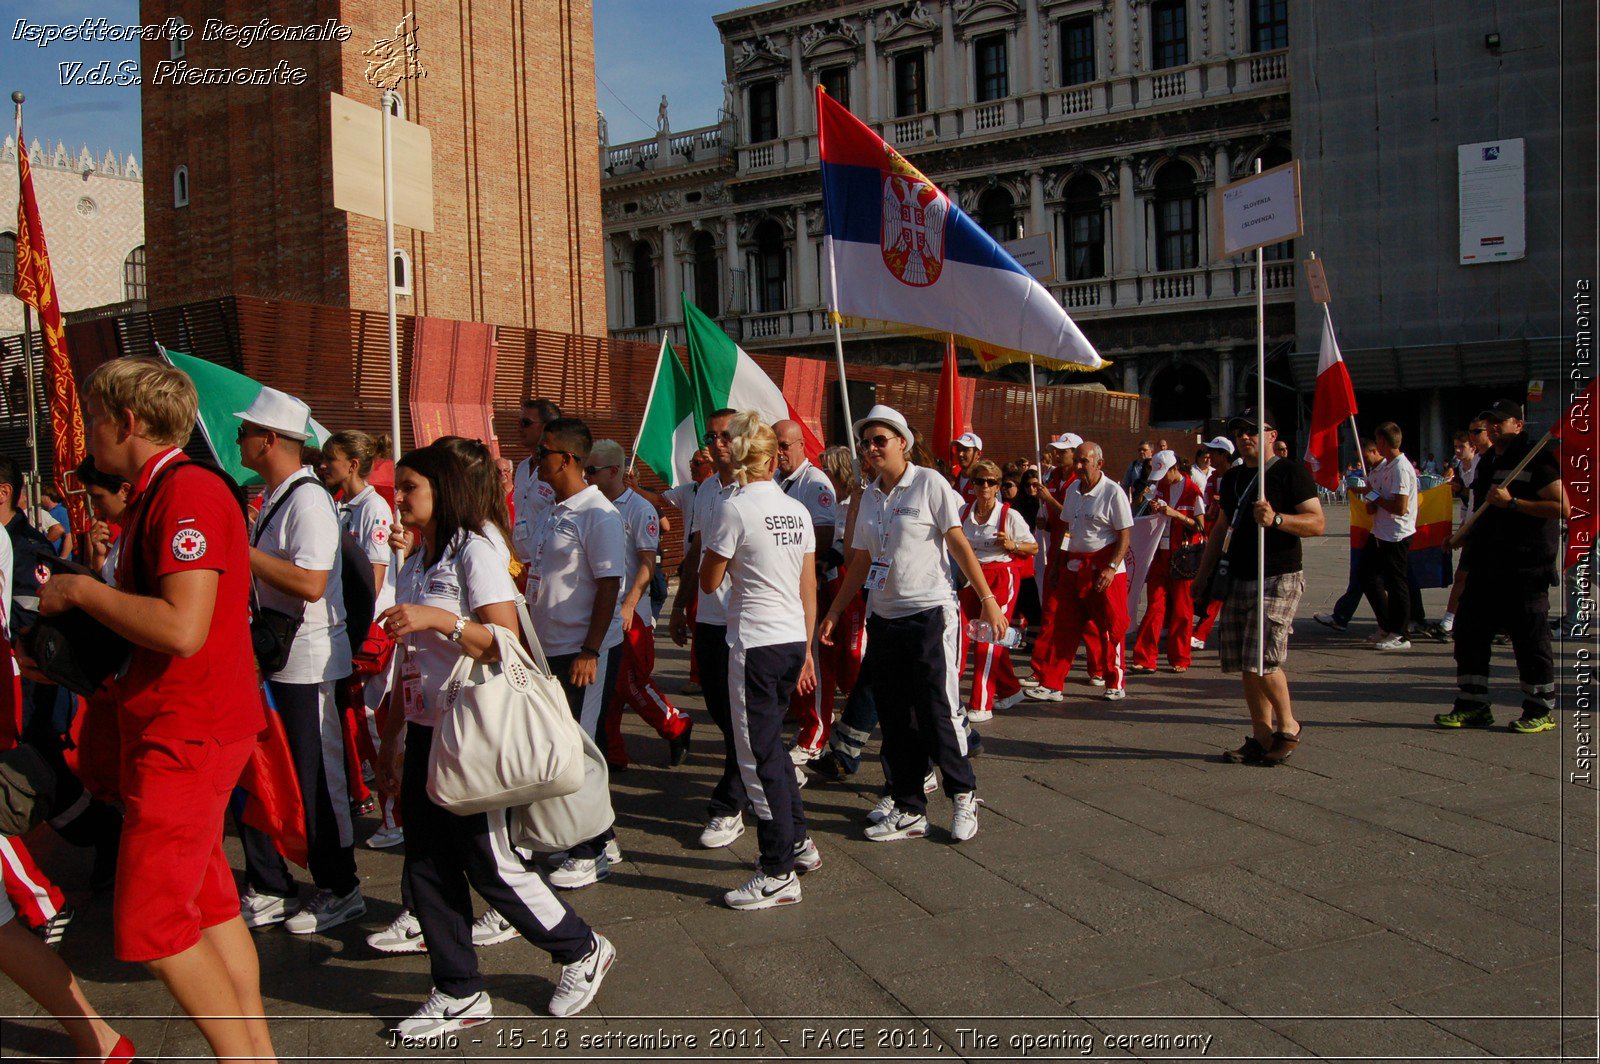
pixel 189 704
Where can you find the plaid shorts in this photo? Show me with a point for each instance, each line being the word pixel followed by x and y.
pixel 1235 633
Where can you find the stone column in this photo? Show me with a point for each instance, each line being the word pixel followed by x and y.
pixel 1036 216
pixel 613 288
pixel 805 262
pixel 1130 227
pixel 799 98
pixel 1034 80
pixel 1223 406
pixel 736 296
pixel 951 90
pixel 625 289
pixel 672 276
pixel 873 110
pixel 1122 44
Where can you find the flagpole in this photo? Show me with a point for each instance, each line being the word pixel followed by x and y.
pixel 633 455
pixel 387 102
pixel 1033 392
pixel 1261 457
pixel 838 352
pixel 32 488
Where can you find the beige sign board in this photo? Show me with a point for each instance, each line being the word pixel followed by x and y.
pixel 1317 281
pixel 1260 210
pixel 1034 254
pixel 358 164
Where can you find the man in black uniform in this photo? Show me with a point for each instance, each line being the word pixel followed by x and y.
pixel 1510 561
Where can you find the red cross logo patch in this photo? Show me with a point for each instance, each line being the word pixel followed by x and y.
pixel 188 545
pixel 380 535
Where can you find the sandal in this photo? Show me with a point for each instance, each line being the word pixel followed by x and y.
pixel 1251 753
pixel 1283 745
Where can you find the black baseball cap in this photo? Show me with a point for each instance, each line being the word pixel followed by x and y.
pixel 1249 419
pixel 1501 410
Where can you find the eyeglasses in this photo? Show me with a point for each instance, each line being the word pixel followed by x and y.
pixel 880 440
pixel 595 470
pixel 544 452
pixel 712 437
pixel 985 482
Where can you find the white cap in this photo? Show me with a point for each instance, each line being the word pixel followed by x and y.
pixel 1221 443
pixel 884 415
pixel 280 412
pixel 969 439
pixel 1067 439
pixel 1161 463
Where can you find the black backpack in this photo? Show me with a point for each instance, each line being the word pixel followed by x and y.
pixel 355 577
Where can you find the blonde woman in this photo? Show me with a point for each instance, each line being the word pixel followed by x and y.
pixel 1005 547
pixel 765 545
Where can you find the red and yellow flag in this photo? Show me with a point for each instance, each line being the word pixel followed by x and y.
pixel 36 286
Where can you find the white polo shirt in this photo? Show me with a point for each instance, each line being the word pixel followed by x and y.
pixel 708 504
pixel 305 531
pixel 368 519
pixel 811 488
pixel 766 536
pixel 906 527
pixel 579 542
pixel 469 576
pixel 985 535
pixel 1095 517
pixel 530 499
pixel 1395 477
pixel 682 497
pixel 641 531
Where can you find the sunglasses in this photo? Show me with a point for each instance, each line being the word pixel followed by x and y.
pixel 712 437
pixel 985 482
pixel 246 431
pixel 594 470
pixel 544 452
pixel 880 440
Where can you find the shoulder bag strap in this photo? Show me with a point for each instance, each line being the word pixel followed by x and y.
pixel 535 648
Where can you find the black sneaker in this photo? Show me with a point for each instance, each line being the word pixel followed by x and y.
pixel 678 748
pixel 53 929
pixel 830 766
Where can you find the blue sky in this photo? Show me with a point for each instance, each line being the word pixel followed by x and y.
pixel 643 48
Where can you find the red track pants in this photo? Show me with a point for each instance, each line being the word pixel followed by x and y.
pixel 1169 607
pixel 637 691
pixel 1079 605
pixel 992 674
pixel 1048 668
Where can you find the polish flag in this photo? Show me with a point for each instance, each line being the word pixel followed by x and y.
pixel 1335 403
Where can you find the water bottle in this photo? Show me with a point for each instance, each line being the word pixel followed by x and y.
pixel 982 632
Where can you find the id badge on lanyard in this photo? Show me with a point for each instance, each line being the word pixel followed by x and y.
pixel 410 687
pixel 878 575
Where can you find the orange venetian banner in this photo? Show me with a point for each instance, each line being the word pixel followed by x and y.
pixel 36 286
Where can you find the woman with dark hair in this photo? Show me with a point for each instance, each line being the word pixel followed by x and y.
pixel 487 489
pixel 451 589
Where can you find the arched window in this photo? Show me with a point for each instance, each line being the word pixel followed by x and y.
pixel 644 284
pixel 133 275
pixel 402 273
pixel 997 214
pixel 1275 155
pixel 8 263
pixel 397 105
pixel 771 267
pixel 180 187
pixel 707 273
pixel 1177 210
pixel 1180 394
pixel 1086 235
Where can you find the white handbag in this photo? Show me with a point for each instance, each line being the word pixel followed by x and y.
pixel 506 735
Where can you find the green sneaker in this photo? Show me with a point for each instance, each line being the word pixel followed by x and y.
pixel 1465 718
pixel 1532 725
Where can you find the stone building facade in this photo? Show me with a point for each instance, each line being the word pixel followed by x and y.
pixel 1106 124
pixel 92 210
pixel 243 180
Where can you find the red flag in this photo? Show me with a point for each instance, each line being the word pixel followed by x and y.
pixel 36 286
pixel 270 790
pixel 1577 433
pixel 948 418
pixel 1335 403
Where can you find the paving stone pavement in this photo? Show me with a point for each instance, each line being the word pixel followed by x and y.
pixel 1397 890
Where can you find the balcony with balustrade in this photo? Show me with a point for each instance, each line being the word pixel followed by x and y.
pixel 692 147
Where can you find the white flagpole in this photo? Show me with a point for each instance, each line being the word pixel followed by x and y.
pixel 1033 393
pixel 633 455
pixel 1261 458
pixel 838 351
pixel 387 102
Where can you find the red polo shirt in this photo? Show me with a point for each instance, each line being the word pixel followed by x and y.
pixel 191 522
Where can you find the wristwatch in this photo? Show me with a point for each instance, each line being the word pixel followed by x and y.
pixel 455 633
pixel 1277 520
pixel 1512 506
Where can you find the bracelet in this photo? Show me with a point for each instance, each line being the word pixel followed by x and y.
pixel 586 649
pixel 455 633
pixel 988 598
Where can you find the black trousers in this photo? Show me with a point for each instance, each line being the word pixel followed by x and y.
pixel 316 743
pixel 761 680
pixel 913 665
pixel 728 797
pixel 1519 605
pixel 445 854
pixel 1386 580
pixel 589 707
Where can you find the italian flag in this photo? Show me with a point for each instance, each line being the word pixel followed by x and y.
pixel 670 432
pixel 726 376
pixel 222 394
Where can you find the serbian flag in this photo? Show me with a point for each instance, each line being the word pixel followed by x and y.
pixel 902 255
pixel 36 286
pixel 948 419
pixel 1429 559
pixel 268 795
pixel 1577 433
pixel 1335 404
pixel 724 375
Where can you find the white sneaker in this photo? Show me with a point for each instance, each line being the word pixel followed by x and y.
pixel 441 1014
pixel 404 935
pixel 765 892
pixel 978 716
pixel 613 854
pixel 801 756
pixel 899 824
pixel 1010 700
pixel 1394 642
pixel 1379 636
pixel 1097 681
pixel 930 783
pixel 578 872
pixel 326 909
pixel 580 981
pixel 806 857
pixel 1043 694
pixel 264 910
pixel 491 929
pixel 384 838
pixel 1115 694
pixel 799 777
pixel 965 824
pixel 1196 644
pixel 882 810
pixel 722 830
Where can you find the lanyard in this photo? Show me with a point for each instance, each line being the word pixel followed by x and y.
pixel 887 514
